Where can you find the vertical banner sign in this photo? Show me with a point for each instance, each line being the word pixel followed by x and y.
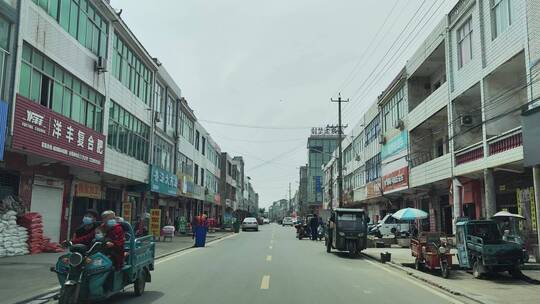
pixel 318 186
pixel 155 222
pixel 126 211
pixel 534 212
pixel 3 126
pixel 519 199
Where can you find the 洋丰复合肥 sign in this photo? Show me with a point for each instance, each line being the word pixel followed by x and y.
pixel 41 131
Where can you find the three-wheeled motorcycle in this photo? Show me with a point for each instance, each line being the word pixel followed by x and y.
pixel 431 251
pixel 347 231
pixel 481 248
pixel 87 274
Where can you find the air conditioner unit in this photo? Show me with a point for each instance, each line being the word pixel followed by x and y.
pixel 382 139
pixel 399 124
pixel 157 116
pixel 466 120
pixel 101 64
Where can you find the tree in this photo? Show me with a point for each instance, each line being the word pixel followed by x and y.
pixel 262 210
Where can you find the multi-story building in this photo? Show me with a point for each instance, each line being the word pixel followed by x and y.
pixel 446 135
pixel 229 181
pixel 320 145
pixel 95 121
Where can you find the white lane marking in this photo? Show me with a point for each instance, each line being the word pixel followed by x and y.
pixel 271 241
pixel 265 282
pixel 413 281
pixel 270 247
pixel 176 255
pixel 269 258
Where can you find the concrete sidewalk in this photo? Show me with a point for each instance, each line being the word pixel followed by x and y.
pixel 497 289
pixel 28 276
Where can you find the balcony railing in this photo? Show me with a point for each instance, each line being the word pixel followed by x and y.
pixel 418 158
pixel 470 154
pixel 508 141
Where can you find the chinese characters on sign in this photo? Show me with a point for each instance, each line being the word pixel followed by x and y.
pixel 328 130
pixel 155 222
pixel 396 180
pixel 41 131
pixel 89 190
pixel 163 182
pixel 126 212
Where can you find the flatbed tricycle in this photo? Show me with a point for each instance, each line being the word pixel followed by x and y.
pixel 87 274
pixel 431 252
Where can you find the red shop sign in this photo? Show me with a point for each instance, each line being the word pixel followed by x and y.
pixel 396 180
pixel 41 131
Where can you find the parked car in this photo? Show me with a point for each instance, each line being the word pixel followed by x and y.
pixel 287 221
pixel 390 226
pixel 266 221
pixel 250 223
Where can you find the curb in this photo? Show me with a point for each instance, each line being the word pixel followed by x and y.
pixel 46 296
pixel 422 279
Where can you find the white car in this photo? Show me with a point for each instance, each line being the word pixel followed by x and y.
pixel 287 221
pixel 250 223
pixel 266 221
pixel 390 226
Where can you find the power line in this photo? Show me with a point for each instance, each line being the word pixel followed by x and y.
pixel 275 158
pixel 350 77
pixel 391 46
pixel 230 124
pixel 393 59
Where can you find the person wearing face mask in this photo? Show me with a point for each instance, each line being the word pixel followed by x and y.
pixel 114 238
pixel 84 234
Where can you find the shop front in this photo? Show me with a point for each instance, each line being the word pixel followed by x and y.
pixel 87 196
pixel 164 186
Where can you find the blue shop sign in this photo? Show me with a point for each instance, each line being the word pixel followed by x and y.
pixel 3 126
pixel 163 182
pixel 395 145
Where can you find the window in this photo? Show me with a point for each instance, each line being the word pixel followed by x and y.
pixel 203 146
pixel 464 37
pixel 45 82
pixel 130 70
pixel 373 168
pixel 184 164
pixel 202 177
pixel 159 105
pixel 197 135
pixel 162 154
pixel 501 17
pixel 372 130
pixel 81 20
pixel 186 127
pixel 393 110
pixel 171 115
pixel 127 134
pixel 196 174
pixel 4 51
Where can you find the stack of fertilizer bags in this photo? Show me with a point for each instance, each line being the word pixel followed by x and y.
pixel 13 238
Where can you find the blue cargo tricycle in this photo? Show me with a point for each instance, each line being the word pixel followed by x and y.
pixel 86 274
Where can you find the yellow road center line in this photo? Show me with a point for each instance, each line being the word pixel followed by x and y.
pixel 265 282
pixel 268 258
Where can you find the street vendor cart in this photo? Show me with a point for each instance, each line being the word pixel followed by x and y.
pixel 432 253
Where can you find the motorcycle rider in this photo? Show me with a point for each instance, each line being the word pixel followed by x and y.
pixel 84 234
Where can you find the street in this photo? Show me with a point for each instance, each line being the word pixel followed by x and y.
pixel 272 266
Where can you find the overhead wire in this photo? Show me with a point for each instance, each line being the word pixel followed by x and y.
pixel 389 49
pixel 356 98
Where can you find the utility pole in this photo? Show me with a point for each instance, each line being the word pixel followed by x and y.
pixel 290 203
pixel 340 151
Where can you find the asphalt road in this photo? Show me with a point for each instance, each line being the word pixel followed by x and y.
pixel 272 266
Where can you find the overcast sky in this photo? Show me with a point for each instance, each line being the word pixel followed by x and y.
pixel 277 63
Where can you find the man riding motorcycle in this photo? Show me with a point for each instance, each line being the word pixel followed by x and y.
pixel 84 234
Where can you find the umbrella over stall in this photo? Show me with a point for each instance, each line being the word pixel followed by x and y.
pixel 410 214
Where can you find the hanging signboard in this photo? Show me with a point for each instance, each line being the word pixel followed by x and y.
pixel 84 189
pixel 41 131
pixel 163 182
pixel 155 222
pixel 127 212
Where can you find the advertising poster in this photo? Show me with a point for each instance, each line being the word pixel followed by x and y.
pixel 126 212
pixel 155 222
